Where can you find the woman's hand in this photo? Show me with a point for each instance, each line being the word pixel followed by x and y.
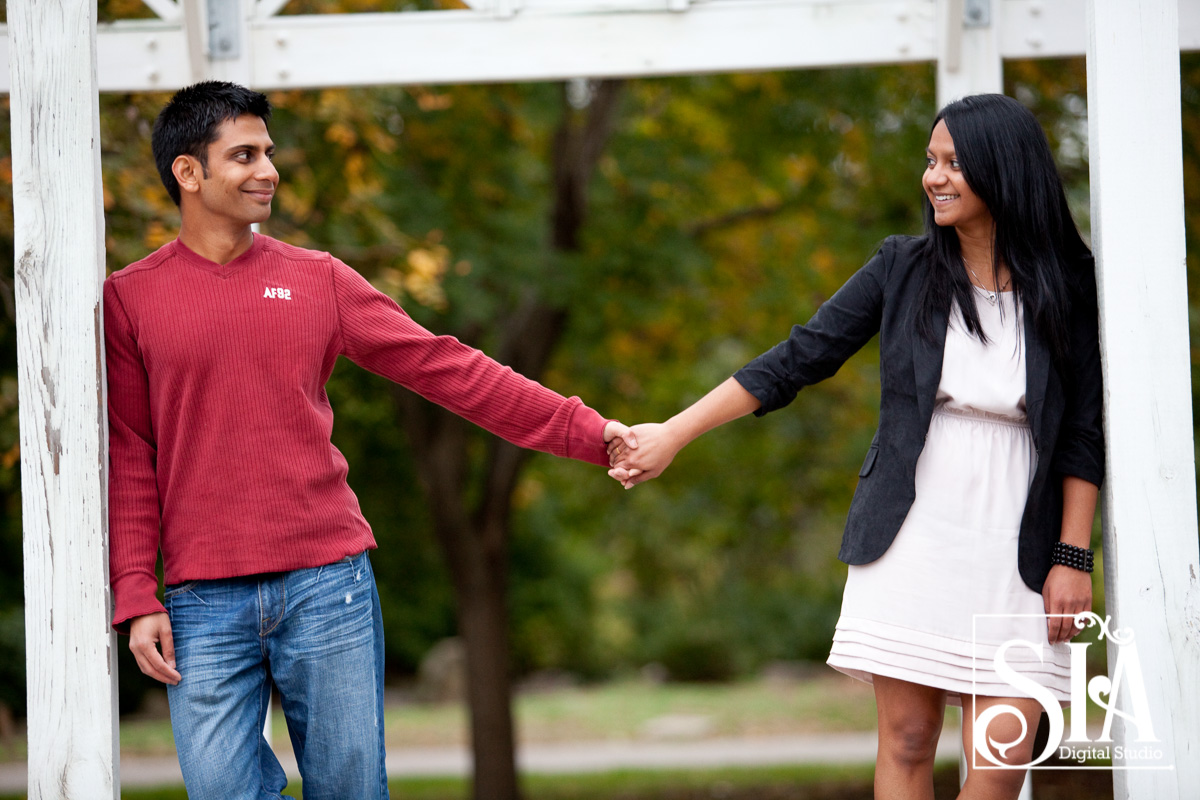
pixel 656 445
pixel 654 450
pixel 1066 591
pixel 618 432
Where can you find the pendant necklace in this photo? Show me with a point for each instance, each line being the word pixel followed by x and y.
pixel 991 295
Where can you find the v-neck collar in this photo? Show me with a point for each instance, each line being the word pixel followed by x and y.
pixel 220 270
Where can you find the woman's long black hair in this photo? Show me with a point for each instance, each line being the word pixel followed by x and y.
pixel 1006 160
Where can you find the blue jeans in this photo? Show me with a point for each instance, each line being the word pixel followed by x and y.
pixel 317 635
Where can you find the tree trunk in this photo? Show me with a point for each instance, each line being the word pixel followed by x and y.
pixel 474 541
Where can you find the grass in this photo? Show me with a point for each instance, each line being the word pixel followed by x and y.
pixel 626 709
pixel 728 784
pixel 767 783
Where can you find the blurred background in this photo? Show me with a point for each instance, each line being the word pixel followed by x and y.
pixel 633 243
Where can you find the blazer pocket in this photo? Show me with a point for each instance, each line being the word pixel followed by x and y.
pixel 869 461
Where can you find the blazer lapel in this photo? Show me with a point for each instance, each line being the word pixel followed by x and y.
pixel 1037 372
pixel 927 365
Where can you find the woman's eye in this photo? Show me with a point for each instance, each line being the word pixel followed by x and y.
pixel 954 163
pixel 929 162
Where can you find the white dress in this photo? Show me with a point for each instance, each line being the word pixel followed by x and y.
pixel 920 612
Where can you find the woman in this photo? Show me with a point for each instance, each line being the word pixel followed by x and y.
pixel 978 493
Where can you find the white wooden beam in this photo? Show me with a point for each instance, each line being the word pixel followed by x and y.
pixel 1151 559
pixel 543 40
pixel 59 244
pixel 467 46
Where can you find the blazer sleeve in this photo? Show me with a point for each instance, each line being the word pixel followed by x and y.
pixel 1079 450
pixel 814 352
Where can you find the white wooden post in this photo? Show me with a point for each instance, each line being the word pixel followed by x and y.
pixel 59 238
pixel 230 43
pixel 969 49
pixel 1149 503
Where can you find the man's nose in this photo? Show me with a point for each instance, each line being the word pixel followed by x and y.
pixel 266 170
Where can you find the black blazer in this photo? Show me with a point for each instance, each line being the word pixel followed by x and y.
pixel 1063 405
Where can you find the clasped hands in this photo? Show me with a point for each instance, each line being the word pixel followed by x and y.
pixel 641 452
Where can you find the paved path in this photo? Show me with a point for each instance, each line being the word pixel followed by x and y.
pixel 575 757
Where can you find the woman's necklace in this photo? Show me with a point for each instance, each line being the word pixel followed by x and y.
pixel 991 295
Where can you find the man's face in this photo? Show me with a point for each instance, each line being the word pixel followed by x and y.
pixel 240 180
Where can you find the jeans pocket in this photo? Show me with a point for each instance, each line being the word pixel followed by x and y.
pixel 351 562
pixel 178 588
pixel 181 596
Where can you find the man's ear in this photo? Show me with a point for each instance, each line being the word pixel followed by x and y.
pixel 187 171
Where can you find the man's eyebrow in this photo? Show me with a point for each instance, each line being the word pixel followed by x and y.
pixel 254 147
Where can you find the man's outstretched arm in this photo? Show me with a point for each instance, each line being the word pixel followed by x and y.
pixel 377 335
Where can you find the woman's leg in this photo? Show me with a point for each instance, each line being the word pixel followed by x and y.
pixel 910 722
pixel 997 783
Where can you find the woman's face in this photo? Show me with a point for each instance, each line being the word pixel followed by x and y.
pixel 953 201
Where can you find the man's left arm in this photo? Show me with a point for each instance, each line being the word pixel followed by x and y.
pixel 379 336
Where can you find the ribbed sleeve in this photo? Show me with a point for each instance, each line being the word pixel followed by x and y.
pixel 133 491
pixel 220 425
pixel 379 336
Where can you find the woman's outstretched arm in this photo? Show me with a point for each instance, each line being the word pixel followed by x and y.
pixel 657 444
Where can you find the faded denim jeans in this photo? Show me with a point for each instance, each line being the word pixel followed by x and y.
pixel 317 635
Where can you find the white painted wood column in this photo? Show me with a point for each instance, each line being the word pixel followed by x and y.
pixel 59 242
pixel 969 59
pixel 1149 501
pixel 230 42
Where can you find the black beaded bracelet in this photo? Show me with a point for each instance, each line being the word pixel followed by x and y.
pixel 1069 555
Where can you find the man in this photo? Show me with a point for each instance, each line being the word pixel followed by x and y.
pixel 219 346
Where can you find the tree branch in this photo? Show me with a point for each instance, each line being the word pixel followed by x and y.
pixel 730 219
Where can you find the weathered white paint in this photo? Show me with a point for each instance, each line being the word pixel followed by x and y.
pixel 555 40
pixel 1152 574
pixel 59 242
